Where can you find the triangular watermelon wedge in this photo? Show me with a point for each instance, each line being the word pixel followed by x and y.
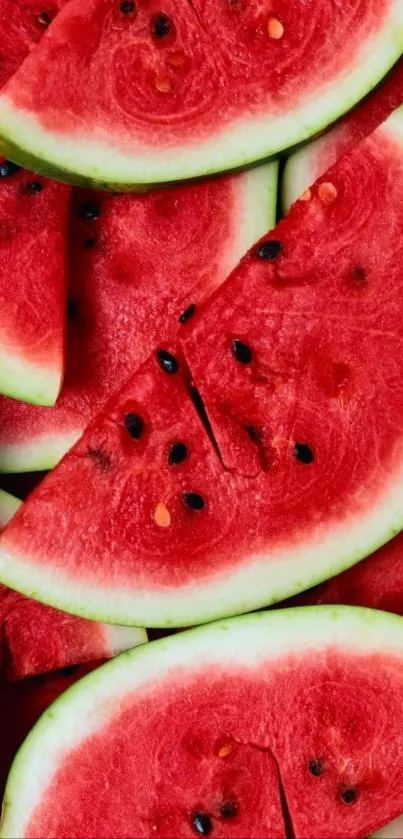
pixel 137 267
pixel 269 725
pixel 35 639
pixel 279 479
pixel 155 95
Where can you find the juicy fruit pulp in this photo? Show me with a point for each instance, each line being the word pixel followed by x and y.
pixel 214 86
pixel 210 722
pixel 136 264
pixel 309 163
pixel 278 432
pixel 33 221
pixel 35 638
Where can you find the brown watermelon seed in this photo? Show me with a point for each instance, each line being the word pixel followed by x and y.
pixel 167 362
pixel 201 823
pixel 228 809
pixel 303 453
pixel 194 501
pixel 348 796
pixel 177 454
pixel 269 250
pixel 316 768
pixel 241 352
pixel 162 85
pixel 89 211
pixel 188 313
pixel 306 196
pixel 162 516
pixel 33 188
pixel 275 28
pixel 327 192
pixel 134 425
pixel 359 276
pixel 127 7
pixel 7 168
pixel 161 26
pixel 44 19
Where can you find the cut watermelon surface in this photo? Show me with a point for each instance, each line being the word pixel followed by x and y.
pixel 154 95
pixel 178 506
pixel 239 727
pixel 22 24
pixel 36 639
pixel 138 265
pixel 21 705
pixel 307 164
pixel 33 222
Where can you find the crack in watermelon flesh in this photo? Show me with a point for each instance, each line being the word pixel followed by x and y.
pixel 136 264
pixel 298 362
pixel 106 99
pixel 306 165
pixel 205 724
pixel 35 638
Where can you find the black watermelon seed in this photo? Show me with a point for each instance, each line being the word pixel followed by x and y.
pixel 89 211
pixel 269 250
pixel 359 276
pixel 348 796
pixel 90 243
pixel 72 309
pixel 69 671
pixel 228 809
pixel 134 425
pixel 44 19
pixel 188 313
pixel 316 768
pixel 7 168
pixel 241 352
pixel 161 26
pixel 303 453
pixel 127 7
pixel 167 362
pixel 194 501
pixel 177 454
pixel 202 823
pixel 33 188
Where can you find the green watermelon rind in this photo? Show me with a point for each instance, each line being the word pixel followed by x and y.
pixel 239 644
pixel 95 163
pixel 27 381
pixel 260 197
pixel 260 582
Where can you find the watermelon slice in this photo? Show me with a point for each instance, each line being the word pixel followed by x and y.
pixel 138 264
pixel 155 94
pixel 35 639
pixel 177 507
pixel 309 163
pixel 33 214
pixel 33 221
pixel 222 728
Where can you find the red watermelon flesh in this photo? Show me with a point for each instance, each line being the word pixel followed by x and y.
pixel 199 729
pixel 33 221
pixel 22 24
pixel 309 163
pixel 290 356
pixel 136 264
pixel 21 705
pixel 35 638
pixel 151 94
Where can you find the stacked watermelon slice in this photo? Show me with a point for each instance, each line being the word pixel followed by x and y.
pixel 217 404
